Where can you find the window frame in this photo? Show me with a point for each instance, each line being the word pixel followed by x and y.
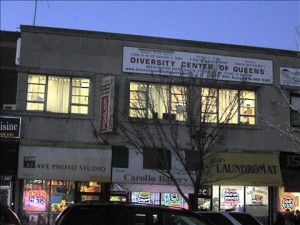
pixel 213 114
pixel 294 110
pixel 74 99
pixel 153 158
pixel 143 98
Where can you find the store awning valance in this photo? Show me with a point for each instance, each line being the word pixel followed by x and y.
pixel 150 187
pixel 54 163
pixel 245 169
pixel 290 169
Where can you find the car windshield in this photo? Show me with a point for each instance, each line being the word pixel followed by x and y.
pixel 244 219
pixel 217 218
pixel 186 220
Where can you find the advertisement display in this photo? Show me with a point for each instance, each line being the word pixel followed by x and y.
pixel 290 76
pixel 257 200
pixel 35 200
pixel 169 199
pixel 232 198
pixel 107 104
pixel 175 63
pixel 145 198
pixel 173 200
pixel 52 163
pixel 288 200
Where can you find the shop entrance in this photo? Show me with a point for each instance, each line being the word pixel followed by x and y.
pixel 43 200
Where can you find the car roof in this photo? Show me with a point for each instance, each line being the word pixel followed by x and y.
pixel 229 215
pixel 136 207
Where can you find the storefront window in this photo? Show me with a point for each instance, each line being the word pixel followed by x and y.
pixel 170 199
pixel 216 198
pixel 257 200
pixel 43 200
pixel 173 200
pixel 251 199
pixel 204 204
pixel 232 198
pixel 61 194
pixel 145 198
pixel 90 186
pixel 288 201
pixel 35 196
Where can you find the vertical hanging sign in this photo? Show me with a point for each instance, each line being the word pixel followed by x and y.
pixel 107 104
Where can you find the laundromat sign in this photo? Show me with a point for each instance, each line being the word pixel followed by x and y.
pixel 64 164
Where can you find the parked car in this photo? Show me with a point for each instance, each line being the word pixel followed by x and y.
pixel 93 213
pixel 8 217
pixel 229 218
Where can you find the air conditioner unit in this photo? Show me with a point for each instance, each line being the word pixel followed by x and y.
pixel 9 107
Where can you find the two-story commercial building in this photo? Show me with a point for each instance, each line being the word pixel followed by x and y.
pixel 76 88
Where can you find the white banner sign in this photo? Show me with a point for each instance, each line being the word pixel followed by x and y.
pixel 64 163
pixel 173 63
pixel 290 76
pixel 135 174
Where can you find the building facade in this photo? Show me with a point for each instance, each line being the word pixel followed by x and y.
pixel 75 88
pixel 9 137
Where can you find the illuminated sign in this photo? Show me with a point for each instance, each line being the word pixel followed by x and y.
pixel 107 104
pixel 10 127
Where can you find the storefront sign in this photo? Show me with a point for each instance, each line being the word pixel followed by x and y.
pixel 135 174
pixel 64 164
pixel 10 127
pixel 6 178
pixel 290 76
pixel 174 63
pixel 246 169
pixel 107 104
pixel 290 168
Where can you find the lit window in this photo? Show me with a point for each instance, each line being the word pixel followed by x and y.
pixel 247 107
pixel 58 94
pixel 157 101
pixel 228 106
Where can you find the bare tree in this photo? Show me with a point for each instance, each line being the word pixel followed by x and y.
pixel 181 116
pixel 286 130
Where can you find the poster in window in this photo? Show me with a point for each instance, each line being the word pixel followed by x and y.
pixel 35 200
pixel 232 198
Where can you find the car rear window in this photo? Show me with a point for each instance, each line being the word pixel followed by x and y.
pixel 90 216
pixel 244 219
pixel 217 218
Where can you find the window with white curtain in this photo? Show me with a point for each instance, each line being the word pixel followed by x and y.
pixel 228 106
pixel 58 94
pixel 164 101
pixel 148 100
